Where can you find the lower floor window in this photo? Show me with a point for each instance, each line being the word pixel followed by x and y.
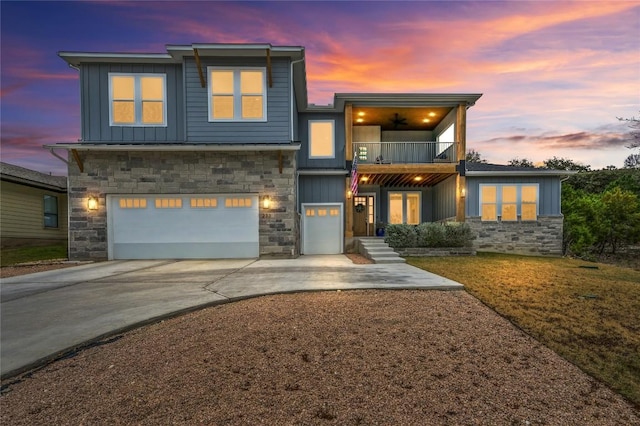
pixel 404 207
pixel 50 211
pixel 508 202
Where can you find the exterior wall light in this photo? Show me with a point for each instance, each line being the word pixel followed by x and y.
pixel 92 203
pixel 266 202
pixel 463 192
pixel 349 194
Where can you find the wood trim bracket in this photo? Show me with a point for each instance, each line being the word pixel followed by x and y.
pixel 76 157
pixel 280 161
pixel 203 82
pixel 269 74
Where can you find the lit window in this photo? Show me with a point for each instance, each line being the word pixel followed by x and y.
pixel 50 211
pixel 404 207
pixel 512 201
pixel 133 203
pixel 509 203
pixel 321 139
pixel 204 203
pixel 322 212
pixel 529 202
pixel 168 203
pixel 334 212
pixel 488 202
pixel 310 212
pixel 137 99
pixel 237 94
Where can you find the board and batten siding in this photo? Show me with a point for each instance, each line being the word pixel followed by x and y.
pixel 338 162
pixel 321 189
pixel 548 195
pixel 444 200
pixel 22 213
pixel 94 105
pixel 277 128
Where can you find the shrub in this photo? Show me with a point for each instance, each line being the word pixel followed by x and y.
pixel 452 234
pixel 458 234
pixel 401 235
pixel 431 235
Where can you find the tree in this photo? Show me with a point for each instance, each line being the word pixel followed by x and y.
pixel 632 162
pixel 556 163
pixel 474 156
pixel 634 124
pixel 518 162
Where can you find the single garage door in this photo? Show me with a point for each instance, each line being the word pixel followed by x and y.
pixel 322 228
pixel 183 226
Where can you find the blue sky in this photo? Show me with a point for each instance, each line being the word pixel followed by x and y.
pixel 555 75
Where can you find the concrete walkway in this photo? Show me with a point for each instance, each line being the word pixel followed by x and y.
pixel 47 314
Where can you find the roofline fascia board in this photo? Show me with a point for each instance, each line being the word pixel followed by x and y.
pixel 325 172
pixel 76 58
pixel 520 173
pixel 173 147
pixel 32 184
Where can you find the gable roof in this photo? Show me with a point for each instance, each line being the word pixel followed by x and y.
pixel 23 176
pixel 488 169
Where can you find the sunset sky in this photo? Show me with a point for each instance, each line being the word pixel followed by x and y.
pixel 555 75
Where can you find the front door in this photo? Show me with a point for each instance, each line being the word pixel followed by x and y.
pixel 364 215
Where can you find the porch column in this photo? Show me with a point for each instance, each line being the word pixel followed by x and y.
pixel 461 148
pixel 348 155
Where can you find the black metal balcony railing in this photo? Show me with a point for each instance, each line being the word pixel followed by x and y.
pixel 405 152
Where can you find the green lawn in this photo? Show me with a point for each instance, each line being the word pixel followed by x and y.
pixel 10 257
pixel 589 313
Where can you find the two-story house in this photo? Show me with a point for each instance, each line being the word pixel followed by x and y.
pixel 212 151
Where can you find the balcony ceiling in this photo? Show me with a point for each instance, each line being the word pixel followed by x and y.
pixel 414 117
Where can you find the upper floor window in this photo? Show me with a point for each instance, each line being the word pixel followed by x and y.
pixel 322 139
pixel 508 201
pixel 50 211
pixel 137 99
pixel 237 94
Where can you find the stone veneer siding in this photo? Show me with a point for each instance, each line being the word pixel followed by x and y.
pixel 541 238
pixel 182 173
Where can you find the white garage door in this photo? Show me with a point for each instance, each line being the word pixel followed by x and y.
pixel 183 226
pixel 322 228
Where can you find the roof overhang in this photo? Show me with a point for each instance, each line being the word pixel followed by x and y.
pixel 74 59
pixel 398 99
pixel 536 172
pixel 174 147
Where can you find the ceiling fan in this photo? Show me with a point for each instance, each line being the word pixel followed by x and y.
pixel 398 121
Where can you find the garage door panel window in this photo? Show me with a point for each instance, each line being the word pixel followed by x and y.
pixel 310 212
pixel 168 203
pixel 512 201
pixel 237 202
pixel 133 203
pixel 204 203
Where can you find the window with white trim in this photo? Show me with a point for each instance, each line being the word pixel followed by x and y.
pixel 237 94
pixel 322 139
pixel 50 211
pixel 137 99
pixel 509 202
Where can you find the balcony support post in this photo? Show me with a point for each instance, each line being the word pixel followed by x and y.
pixel 461 154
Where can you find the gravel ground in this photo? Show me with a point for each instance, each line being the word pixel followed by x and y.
pixel 343 358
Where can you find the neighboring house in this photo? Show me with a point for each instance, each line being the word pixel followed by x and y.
pixel 212 151
pixel 33 207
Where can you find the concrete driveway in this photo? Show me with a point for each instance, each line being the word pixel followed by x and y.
pixel 48 314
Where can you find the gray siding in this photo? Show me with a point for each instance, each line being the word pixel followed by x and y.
pixel 322 189
pixel 94 101
pixel 303 155
pixel 444 199
pixel 549 194
pixel 277 128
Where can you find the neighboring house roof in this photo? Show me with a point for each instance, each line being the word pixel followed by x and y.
pixel 17 174
pixel 488 169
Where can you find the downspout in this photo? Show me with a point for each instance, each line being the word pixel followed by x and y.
pixel 297 182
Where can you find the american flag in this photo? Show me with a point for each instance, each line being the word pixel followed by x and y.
pixel 354 175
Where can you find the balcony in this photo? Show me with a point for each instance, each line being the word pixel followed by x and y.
pixel 405 152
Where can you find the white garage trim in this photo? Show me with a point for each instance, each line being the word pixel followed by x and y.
pixel 182 226
pixel 322 228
